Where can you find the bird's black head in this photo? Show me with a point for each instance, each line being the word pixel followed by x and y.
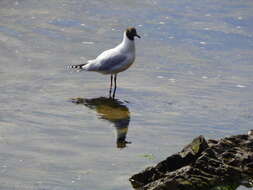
pixel 131 33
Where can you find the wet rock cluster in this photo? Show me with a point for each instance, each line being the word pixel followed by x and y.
pixel 202 165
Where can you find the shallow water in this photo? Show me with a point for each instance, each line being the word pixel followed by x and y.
pixel 192 76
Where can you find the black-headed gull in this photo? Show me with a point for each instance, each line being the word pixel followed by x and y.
pixel 114 60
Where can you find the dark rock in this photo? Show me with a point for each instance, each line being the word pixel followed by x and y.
pixel 202 165
pixel 187 156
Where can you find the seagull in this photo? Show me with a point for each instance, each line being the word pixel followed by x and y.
pixel 115 60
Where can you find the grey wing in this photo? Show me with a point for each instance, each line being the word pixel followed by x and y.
pixel 112 62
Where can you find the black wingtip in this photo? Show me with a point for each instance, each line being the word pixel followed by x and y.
pixel 75 66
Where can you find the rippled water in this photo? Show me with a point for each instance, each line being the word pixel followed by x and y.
pixel 192 76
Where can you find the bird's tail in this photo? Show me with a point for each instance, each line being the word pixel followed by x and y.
pixel 78 67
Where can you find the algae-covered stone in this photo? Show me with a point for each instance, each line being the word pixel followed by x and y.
pixel 202 165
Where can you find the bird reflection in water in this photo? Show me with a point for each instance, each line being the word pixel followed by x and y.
pixel 113 111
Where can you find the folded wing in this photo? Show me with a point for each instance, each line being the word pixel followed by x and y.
pixel 112 63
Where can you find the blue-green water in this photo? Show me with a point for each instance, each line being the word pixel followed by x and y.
pixel 192 76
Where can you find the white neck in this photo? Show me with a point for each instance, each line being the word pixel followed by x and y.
pixel 127 44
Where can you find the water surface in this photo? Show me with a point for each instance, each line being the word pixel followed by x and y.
pixel 192 76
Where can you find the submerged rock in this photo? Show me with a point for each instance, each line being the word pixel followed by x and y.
pixel 202 164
